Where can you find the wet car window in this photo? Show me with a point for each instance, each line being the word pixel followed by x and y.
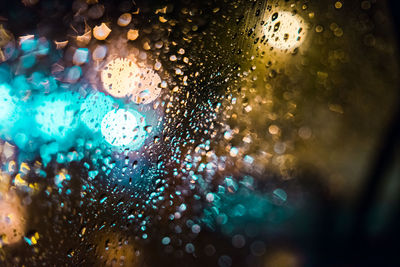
pixel 198 133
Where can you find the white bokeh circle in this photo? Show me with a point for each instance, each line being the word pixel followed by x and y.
pixel 119 127
pixel 284 30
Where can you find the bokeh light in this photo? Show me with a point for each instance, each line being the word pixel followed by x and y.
pixel 122 77
pixel 284 30
pixel 121 127
pixel 119 77
pixel 195 133
pixel 7 102
pixel 148 88
pixel 56 115
pixel 12 215
pixel 94 108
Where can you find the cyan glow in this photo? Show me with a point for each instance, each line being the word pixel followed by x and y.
pixel 20 84
pixel 8 105
pixel 94 108
pixel 5 73
pixel 123 128
pixel 56 115
pixel 43 47
pixel 47 151
pixel 7 102
pixel 20 139
pixel 28 45
pixel 28 60
pixel 40 81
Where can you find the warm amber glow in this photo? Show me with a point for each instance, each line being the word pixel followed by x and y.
pixel 12 222
pixel 132 35
pixel 148 88
pixel 119 77
pixel 123 78
pixel 101 32
pixel 124 19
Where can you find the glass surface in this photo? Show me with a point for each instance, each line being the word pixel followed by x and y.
pixel 199 133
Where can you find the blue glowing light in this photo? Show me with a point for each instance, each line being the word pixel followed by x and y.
pixel 21 140
pixel 56 115
pixel 47 150
pixel 20 84
pixel 28 240
pixel 8 104
pixel 40 81
pixel 166 240
pixel 280 194
pixel 94 108
pixel 123 128
pixel 27 61
pixel 43 47
pixel 28 45
pixel 5 73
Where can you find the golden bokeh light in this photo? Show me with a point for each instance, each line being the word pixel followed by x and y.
pixel 119 77
pixel 122 77
pixel 148 87
pixel 101 32
pixel 124 19
pixel 284 30
pixel 12 221
pixel 132 35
